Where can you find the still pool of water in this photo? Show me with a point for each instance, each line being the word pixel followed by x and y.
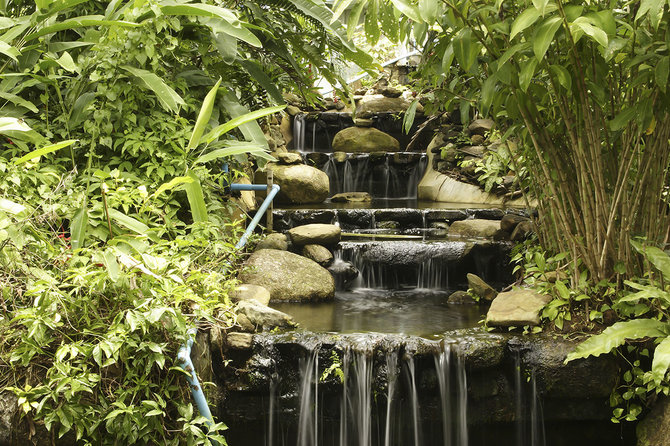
pixel 415 312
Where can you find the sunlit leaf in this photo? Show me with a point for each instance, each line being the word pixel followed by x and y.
pixel 44 150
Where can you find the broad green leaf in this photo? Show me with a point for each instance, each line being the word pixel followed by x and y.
pixel 9 51
pixel 428 9
pixel 622 118
pixel 647 292
pixel 227 22
pixel 616 335
pixel 372 29
pixel 236 122
pixel 408 9
pixel 408 119
pixel 448 58
pixel 523 21
pixel 510 52
pixel 131 223
pixel 78 227
pixel 258 151
pixel 80 110
pixel 168 98
pixel 595 33
pixel 656 256
pixel 486 95
pixel 527 72
pixel 541 5
pixel 544 35
pixel 562 290
pixel 13 125
pixel 18 100
pixel 196 200
pixel 65 61
pixel 661 361
pixel 172 184
pixel 111 264
pixel 466 49
pixel 11 207
pixel 44 150
pixel 653 8
pixel 661 73
pixel 354 18
pixel 203 117
pixel 251 130
pixel 338 8
pixel 79 22
pixel 320 12
pixel 563 76
pixel 227 46
pixel 256 71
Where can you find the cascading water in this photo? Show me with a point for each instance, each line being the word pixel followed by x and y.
pixel 414 401
pixel 528 407
pixel 299 132
pixel 443 368
pixel 308 422
pixel 391 379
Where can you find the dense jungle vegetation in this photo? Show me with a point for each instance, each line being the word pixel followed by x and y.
pixel 115 229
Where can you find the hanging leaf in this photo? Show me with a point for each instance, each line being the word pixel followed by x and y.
pixel 595 33
pixel 236 122
pixel 354 18
pixel 509 53
pixel 66 61
pixel 168 98
pixel 78 22
pixel 407 9
pixel 616 335
pixel 257 151
pixel 622 118
pixel 44 150
pixel 226 45
pixel 196 200
pixel 544 35
pixel 177 181
pixel 428 10
pixel 78 227
pixel 563 76
pixel 523 21
pixel 9 51
pixel 656 256
pixel 203 117
pixel 448 58
pixel 80 112
pixel 255 70
pixel 372 30
pixel 661 73
pixel 466 49
pixel 408 119
pixel 661 361
pixel 486 95
pixel 18 100
pixel 527 72
pixel 338 8
pixel 132 223
pixel 111 264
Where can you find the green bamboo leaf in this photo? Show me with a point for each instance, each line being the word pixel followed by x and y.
pixel 527 72
pixel 236 122
pixel 226 20
pixel 486 95
pixel 111 264
pixel 622 118
pixel 227 46
pixel 203 117
pixel 66 61
pixel 616 335
pixel 656 256
pixel 9 51
pixel 256 71
pixel 661 73
pixel 78 22
pixel 354 18
pixel 18 100
pixel 172 184
pixel 466 49
pixel 44 150
pixel 78 227
pixel 563 76
pixel 8 124
pixel 408 119
pixel 131 223
pixel 585 24
pixel 448 58
pixel 541 5
pixel 661 361
pixel 653 8
pixel 168 98
pixel 255 150
pixel 408 9
pixel 196 200
pixel 80 110
pixel 321 13
pixel 338 8
pixel 507 55
pixel 428 9
pixel 544 35
pixel 523 21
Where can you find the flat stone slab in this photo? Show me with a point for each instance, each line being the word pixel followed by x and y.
pixel 474 228
pixel 315 234
pixel 516 308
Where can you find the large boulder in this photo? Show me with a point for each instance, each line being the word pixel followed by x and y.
pixel 274 241
pixel 475 227
pixel 301 184
pixel 251 292
pixel 378 103
pixel 288 276
pixel 517 308
pixel 263 316
pixel 480 288
pixel 315 234
pixel 320 254
pixel 364 139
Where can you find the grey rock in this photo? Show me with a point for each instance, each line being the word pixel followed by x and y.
pixel 343 272
pixel 517 308
pixel 288 276
pixel 474 228
pixel 340 157
pixel 460 297
pixel 239 341
pixel 289 158
pixel 264 316
pixel 351 197
pixel 475 151
pixel 301 184
pixel 245 324
pixel 477 139
pixel 654 429
pixel 251 292
pixel 361 122
pixel 364 139
pixel 510 221
pixel 522 231
pixel 320 254
pixel 377 103
pixel 315 234
pixel 481 288
pixel 481 126
pixel 274 241
pixel 292 110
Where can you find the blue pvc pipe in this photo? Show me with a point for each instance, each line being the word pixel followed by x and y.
pixel 184 353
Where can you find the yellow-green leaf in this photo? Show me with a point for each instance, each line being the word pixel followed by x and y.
pixel 203 117
pixel 44 150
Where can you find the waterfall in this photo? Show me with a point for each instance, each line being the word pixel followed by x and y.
pixel 271 412
pixel 308 422
pixel 414 401
pixel 528 407
pixel 443 369
pixel 462 405
pixel 391 378
pixel 299 132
